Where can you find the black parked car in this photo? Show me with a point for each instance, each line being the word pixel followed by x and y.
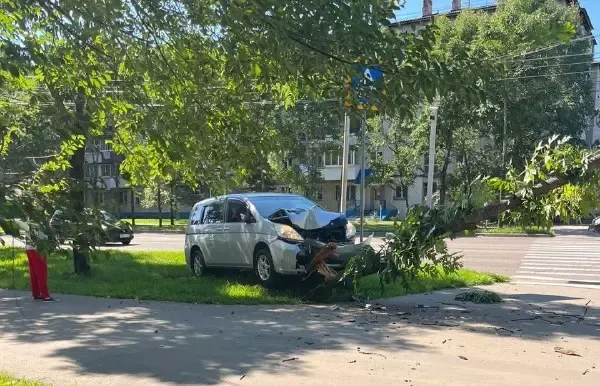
pixel 109 230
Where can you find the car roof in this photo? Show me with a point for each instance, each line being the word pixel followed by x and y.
pixel 248 196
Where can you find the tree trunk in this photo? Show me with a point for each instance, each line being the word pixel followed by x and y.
pixel 159 201
pixel 132 206
pixel 172 204
pixel 80 244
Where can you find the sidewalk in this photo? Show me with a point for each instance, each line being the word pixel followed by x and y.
pixel 417 340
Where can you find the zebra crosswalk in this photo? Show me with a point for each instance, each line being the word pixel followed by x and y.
pixel 560 261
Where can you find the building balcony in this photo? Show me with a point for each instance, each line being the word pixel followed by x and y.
pixel 334 173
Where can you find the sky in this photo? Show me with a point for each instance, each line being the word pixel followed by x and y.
pixel 413 9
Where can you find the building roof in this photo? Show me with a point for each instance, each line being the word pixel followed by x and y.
pixel 451 14
pixel 587 22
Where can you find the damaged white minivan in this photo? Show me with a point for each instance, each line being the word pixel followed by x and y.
pixel 272 234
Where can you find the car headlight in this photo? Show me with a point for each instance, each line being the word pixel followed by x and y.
pixel 287 233
pixel 350 230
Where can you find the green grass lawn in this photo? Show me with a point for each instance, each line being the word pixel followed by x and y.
pixel 8 380
pixel 533 230
pixel 151 224
pixel 163 275
pixel 376 226
pixel 154 221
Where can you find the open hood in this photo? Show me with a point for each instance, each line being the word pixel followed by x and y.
pixel 310 219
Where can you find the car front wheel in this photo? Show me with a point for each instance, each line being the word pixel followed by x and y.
pixel 264 268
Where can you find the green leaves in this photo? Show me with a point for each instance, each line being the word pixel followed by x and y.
pixel 551 160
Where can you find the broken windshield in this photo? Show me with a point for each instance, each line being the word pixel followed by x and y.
pixel 267 205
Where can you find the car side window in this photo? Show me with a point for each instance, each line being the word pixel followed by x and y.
pixel 196 217
pixel 235 210
pixel 213 213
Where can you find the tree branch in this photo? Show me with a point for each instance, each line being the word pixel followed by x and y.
pixel 515 202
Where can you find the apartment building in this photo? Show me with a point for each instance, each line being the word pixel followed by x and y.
pixel 388 200
pixel 108 189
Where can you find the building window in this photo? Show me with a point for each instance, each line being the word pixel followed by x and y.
pixel 91 171
pixel 377 194
pixel 100 198
pixel 105 170
pixel 401 192
pixel 426 164
pixel 102 145
pixel 425 188
pixel 124 197
pixel 350 193
pixel 138 200
pixel 319 193
pixel 335 157
pixel 351 157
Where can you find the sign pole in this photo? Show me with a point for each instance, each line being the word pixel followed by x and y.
pixel 363 125
pixel 345 154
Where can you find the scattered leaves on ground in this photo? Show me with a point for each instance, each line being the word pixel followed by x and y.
pixel 479 297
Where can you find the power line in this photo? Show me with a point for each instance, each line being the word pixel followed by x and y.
pixel 594 55
pixel 536 51
pixel 545 75
pixel 556 65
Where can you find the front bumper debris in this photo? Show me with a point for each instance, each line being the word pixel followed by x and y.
pixel 329 259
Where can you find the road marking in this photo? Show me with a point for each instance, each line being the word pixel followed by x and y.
pixel 532 277
pixel 560 269
pixel 560 273
pixel 556 284
pixel 573 263
pixel 555 258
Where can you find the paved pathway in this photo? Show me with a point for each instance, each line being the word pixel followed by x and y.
pixel 428 339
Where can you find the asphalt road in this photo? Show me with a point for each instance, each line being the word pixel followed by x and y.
pixel 500 255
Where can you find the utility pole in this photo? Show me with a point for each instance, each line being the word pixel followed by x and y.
pixel 363 127
pixel 504 143
pixel 503 156
pixel 345 154
pixel 433 111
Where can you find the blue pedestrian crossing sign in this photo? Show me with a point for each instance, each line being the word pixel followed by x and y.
pixel 372 73
pixel 368 75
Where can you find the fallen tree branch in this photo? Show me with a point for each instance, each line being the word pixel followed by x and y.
pixel 514 202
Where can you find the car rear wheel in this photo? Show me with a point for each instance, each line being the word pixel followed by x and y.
pixel 264 268
pixel 197 262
